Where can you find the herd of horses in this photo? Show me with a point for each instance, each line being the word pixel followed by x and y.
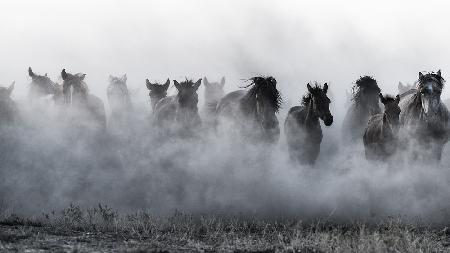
pixel 415 120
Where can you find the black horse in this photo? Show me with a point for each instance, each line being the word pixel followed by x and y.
pixel 180 112
pixel 157 91
pixel 302 126
pixel 252 111
pixel 364 105
pixel 424 118
pixel 381 135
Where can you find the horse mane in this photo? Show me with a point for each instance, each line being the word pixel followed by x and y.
pixel 308 96
pixel 431 76
pixel 364 83
pixel 261 86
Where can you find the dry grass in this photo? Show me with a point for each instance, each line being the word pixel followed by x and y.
pixel 103 229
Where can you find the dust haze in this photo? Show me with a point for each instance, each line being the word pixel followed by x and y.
pixel 46 167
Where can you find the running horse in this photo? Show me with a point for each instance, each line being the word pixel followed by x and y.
pixel 252 112
pixel 424 118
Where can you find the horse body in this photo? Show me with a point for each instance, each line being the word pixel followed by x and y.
pixel 364 105
pixel 252 112
pixel 380 137
pixel 302 125
pixel 425 119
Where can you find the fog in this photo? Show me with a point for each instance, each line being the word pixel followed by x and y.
pixel 295 41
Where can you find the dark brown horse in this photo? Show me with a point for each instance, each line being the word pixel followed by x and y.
pixel 424 118
pixel 87 110
pixel 381 135
pixel 302 126
pixel 252 112
pixel 157 91
pixel 364 105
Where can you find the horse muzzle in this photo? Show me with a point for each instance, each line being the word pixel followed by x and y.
pixel 328 120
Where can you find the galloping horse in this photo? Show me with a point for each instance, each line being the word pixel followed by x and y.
pixel 88 109
pixel 157 91
pixel 253 111
pixel 213 93
pixel 364 105
pixel 381 135
pixel 42 86
pixel 180 111
pixel 119 101
pixel 302 126
pixel 424 118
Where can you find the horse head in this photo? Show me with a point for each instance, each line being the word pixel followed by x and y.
pixel 320 103
pixel 157 91
pixel 429 91
pixel 74 87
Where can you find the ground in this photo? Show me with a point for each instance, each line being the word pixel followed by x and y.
pixel 101 229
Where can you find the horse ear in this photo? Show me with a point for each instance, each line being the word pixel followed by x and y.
pixel 124 78
pixel 11 88
pixel 30 72
pixel 166 85
pixel 309 88
pixel 177 85
pixel 64 74
pixel 400 85
pixel 110 78
pixel 397 99
pixel 148 84
pixel 439 73
pixel 197 84
pixel 222 82
pixel 381 98
pixel 205 81
pixel 420 75
pixel 325 88
pixel 82 77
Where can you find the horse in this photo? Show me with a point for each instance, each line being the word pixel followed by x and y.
pixel 213 93
pixel 119 101
pixel 253 111
pixel 424 118
pixel 42 86
pixel 302 126
pixel 381 134
pixel 180 112
pixel 364 104
pixel 157 91
pixel 8 108
pixel 88 110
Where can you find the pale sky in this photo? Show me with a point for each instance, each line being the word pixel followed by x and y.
pixel 295 41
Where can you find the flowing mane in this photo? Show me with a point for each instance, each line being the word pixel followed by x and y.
pixel 261 88
pixel 308 96
pixel 362 85
pixel 431 77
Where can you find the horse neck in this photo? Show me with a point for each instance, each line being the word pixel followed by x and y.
pixel 311 116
